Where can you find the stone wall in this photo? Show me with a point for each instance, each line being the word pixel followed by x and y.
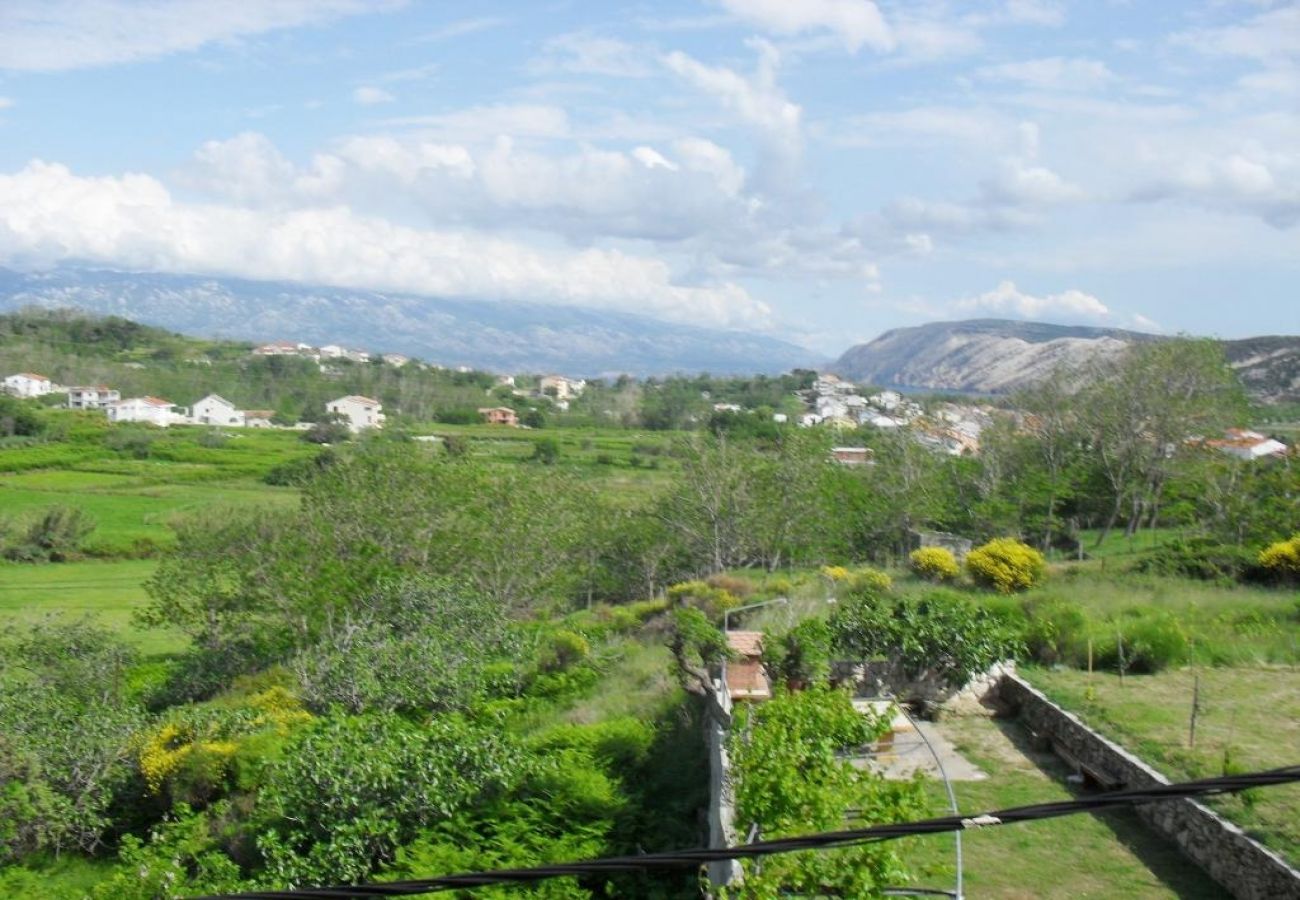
pixel 1241 865
pixel 722 799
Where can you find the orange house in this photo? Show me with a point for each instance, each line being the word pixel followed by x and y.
pixel 499 415
pixel 746 679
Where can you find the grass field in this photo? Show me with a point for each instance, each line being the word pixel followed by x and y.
pixel 103 592
pixel 1248 717
pixel 1101 856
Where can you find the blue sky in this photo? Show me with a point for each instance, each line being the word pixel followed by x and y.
pixel 819 170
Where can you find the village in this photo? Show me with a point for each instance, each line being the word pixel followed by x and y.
pixel 947 427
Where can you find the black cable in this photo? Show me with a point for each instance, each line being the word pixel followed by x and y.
pixel 681 859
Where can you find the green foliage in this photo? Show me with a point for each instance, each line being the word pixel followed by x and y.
pixel 66 723
pixel 1006 565
pixel 54 535
pixel 298 472
pixel 136 441
pixel 546 451
pixel 327 431
pixel 1057 631
pixel 353 789
pixel 1282 559
pixel 934 564
pixel 801 655
pixel 182 857
pixel 565 650
pixel 19 418
pixel 710 600
pixel 1202 558
pixel 939 639
pixel 792 779
pixel 415 644
pixel 1150 642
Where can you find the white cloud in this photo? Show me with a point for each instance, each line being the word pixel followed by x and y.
pixel 1007 299
pixel 856 23
pixel 1271 35
pixel 1246 180
pixel 1054 73
pixel 48 214
pixel 56 35
pixel 371 96
pixel 462 27
pixel 486 123
pixel 757 99
pixel 580 53
pixel 6 102
pixel 1034 12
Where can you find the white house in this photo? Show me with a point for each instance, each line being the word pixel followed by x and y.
pixel 332 351
pixel 360 412
pixel 396 360
pixel 282 348
pixel 215 410
pixel 358 356
pixel 94 396
pixel 28 384
pixel 1250 445
pixel 886 400
pixel 259 418
pixel 560 387
pixel 145 409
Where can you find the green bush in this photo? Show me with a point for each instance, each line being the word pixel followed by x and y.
pixel 1057 632
pixel 712 601
pixel 1201 558
pixel 934 563
pixel 566 650
pixel 800 656
pixel 1152 642
pixel 942 637
pixel 1006 565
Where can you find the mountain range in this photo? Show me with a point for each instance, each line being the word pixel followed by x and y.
pixel 494 335
pixel 998 355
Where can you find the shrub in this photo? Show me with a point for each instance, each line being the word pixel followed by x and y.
pixel 1201 558
pixel 54 536
pixel 567 649
pixel 1057 632
pixel 1282 559
pixel 298 472
pixel 327 432
pixel 739 587
pixel 546 451
pixel 135 441
pixel 867 582
pixel 711 601
pixel 1152 643
pixel 942 638
pixel 801 655
pixel 934 563
pixel 1006 565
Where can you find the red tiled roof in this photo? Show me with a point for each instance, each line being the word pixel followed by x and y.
pixel 746 643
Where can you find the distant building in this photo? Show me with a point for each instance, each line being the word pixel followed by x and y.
pixel 258 418
pixel 95 396
pixel 215 410
pixel 332 351
pixel 853 456
pixel 505 380
pixel 358 412
pixel 396 360
pixel 28 384
pixel 499 415
pixel 280 348
pixel 560 387
pixel 886 400
pixel 726 407
pixel 358 356
pixel 150 410
pixel 746 677
pixel 780 418
pixel 829 384
pixel 1249 445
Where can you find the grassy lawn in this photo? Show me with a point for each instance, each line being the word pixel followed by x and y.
pixel 1250 716
pixel 1101 856
pixel 106 592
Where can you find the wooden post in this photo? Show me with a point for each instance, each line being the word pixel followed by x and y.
pixel 1196 709
pixel 1119 645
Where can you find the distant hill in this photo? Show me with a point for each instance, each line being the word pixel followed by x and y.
pixel 997 355
pixel 494 335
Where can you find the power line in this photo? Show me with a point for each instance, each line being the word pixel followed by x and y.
pixel 682 859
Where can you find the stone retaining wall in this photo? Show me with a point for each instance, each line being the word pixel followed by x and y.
pixel 1238 863
pixel 722 798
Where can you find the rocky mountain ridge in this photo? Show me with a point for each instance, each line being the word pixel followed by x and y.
pixel 1000 355
pixel 494 335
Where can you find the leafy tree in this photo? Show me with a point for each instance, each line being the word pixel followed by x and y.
pixel 417 644
pixel 18 418
pixel 792 778
pixel 932 643
pixel 66 716
pixel 352 789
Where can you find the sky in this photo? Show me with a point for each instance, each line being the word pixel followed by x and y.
pixel 819 170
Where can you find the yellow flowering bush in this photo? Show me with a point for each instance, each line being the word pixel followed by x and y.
pixel 834 573
pixel 1282 558
pixel 1006 565
pixel 172 749
pixel 934 563
pixel 869 580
